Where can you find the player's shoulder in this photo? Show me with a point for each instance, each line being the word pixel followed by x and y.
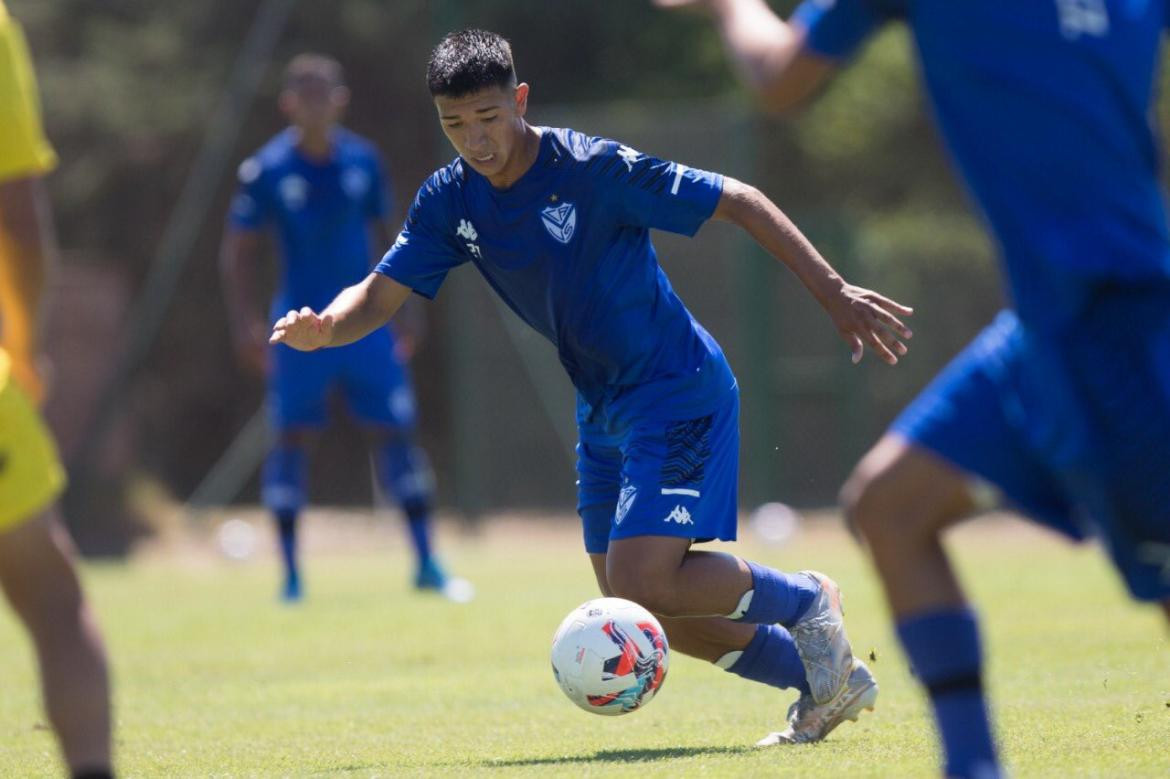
pixel 577 147
pixel 355 147
pixel 438 191
pixel 272 156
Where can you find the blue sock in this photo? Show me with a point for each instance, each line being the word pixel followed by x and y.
pixel 286 528
pixel 770 657
pixel 944 652
pixel 778 597
pixel 403 471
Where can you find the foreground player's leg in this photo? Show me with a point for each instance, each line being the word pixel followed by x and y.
pixel 667 577
pixel 900 499
pixel 285 479
pixel 40 581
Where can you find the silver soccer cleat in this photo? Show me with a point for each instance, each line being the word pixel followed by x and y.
pixel 809 721
pixel 821 641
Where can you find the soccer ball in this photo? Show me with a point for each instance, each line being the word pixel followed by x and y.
pixel 610 656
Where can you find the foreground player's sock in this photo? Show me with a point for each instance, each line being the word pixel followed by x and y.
pixel 286 528
pixel 770 657
pixel 944 651
pixel 775 596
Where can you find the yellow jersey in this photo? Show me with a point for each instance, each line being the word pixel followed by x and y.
pixel 24 150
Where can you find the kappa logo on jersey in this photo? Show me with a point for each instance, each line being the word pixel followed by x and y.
pixel 466 231
pixel 560 221
pixel 680 515
pixel 625 500
pixel 294 191
pixel 628 155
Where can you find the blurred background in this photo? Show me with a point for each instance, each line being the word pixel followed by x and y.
pixel 152 105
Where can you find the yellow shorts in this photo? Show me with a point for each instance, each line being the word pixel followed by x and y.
pixel 31 476
pixel 24 150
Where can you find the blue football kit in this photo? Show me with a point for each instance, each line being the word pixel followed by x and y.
pixel 567 247
pixel 1063 402
pixel 321 213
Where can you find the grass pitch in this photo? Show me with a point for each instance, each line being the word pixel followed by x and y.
pixel 215 678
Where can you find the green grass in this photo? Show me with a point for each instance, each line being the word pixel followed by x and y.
pixel 214 678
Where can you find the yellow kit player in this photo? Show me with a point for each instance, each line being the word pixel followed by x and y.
pixel 37 570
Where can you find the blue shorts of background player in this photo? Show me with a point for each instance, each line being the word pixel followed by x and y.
pixel 375 385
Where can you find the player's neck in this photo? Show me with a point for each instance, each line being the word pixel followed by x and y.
pixel 522 159
pixel 316 146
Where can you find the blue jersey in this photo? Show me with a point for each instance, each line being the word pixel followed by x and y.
pixel 1046 107
pixel 321 212
pixel 567 247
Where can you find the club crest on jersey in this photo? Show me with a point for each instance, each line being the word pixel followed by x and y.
pixel 560 221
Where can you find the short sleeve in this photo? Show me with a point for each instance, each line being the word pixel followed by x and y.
pixel 838 28
pixel 379 201
pixel 250 210
pixel 658 193
pixel 423 253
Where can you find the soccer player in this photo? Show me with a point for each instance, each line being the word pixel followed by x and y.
pixel 37 569
pixel 558 224
pixel 322 189
pixel 1063 403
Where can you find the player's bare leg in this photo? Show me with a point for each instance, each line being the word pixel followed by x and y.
pixel 705 638
pixel 900 499
pixel 1166 608
pixel 39 578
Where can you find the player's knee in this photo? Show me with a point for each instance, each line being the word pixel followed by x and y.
pixel 651 589
pixel 869 502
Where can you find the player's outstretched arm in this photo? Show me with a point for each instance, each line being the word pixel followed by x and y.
pixel 768 52
pixel 355 313
pixel 862 317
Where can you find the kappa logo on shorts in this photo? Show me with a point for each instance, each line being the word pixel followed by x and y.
pixel 625 500
pixel 680 515
pixel 560 221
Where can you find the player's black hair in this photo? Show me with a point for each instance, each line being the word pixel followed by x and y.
pixel 313 66
pixel 468 61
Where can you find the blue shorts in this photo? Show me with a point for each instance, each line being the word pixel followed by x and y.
pixel 660 478
pixel 1075 430
pixel 374 382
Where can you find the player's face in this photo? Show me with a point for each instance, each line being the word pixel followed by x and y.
pixel 486 127
pixel 314 104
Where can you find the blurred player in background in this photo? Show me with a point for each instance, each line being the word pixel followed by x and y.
pixel 37 568
pixel 559 225
pixel 322 190
pixel 1063 403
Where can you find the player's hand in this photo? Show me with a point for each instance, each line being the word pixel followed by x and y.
pixel 865 318
pixel 697 5
pixel 303 330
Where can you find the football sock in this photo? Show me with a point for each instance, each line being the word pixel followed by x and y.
pixel 403 471
pixel 286 528
pixel 944 652
pixel 770 657
pixel 93 773
pixel 776 597
pixel 284 478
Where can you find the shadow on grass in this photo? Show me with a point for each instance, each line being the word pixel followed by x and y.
pixel 619 756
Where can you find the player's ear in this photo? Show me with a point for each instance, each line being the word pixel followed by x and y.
pixel 521 98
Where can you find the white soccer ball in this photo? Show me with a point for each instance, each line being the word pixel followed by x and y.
pixel 610 656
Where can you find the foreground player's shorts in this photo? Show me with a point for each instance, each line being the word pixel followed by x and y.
pixel 1074 430
pixel 23 148
pixel 660 478
pixel 31 476
pixel 374 382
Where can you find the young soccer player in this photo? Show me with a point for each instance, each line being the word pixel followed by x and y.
pixel 322 189
pixel 37 570
pixel 1063 402
pixel 558 224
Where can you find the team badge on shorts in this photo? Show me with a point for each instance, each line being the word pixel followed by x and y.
pixel 560 221
pixel 625 500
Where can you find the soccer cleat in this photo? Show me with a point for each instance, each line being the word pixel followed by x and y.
pixel 291 592
pixel 809 721
pixel 431 576
pixel 821 642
